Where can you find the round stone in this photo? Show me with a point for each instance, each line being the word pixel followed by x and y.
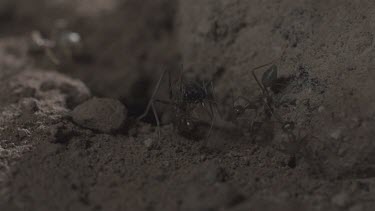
pixel 101 114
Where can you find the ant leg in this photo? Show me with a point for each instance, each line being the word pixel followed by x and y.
pixel 264 90
pixel 181 80
pixel 152 97
pixel 170 85
pixel 212 117
pixel 275 114
pixel 214 98
pixel 166 102
pixel 157 119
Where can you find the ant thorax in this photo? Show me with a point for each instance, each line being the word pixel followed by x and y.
pixel 194 92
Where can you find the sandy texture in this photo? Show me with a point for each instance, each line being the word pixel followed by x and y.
pixel 329 55
pixel 321 160
pixel 30 112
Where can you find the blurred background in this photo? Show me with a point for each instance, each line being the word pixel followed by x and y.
pixel 117 47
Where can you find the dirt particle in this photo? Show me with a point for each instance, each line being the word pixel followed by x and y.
pixel 101 114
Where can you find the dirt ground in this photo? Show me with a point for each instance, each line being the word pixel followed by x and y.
pixel 305 144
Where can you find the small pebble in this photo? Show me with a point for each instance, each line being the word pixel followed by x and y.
pixel 102 114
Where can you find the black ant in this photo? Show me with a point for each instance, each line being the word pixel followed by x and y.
pixel 264 105
pixel 265 102
pixel 189 95
pixel 268 82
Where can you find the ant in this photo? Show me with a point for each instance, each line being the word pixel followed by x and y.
pixel 297 141
pixel 189 95
pixel 265 103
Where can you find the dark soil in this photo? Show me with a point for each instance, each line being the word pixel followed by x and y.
pixel 74 144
